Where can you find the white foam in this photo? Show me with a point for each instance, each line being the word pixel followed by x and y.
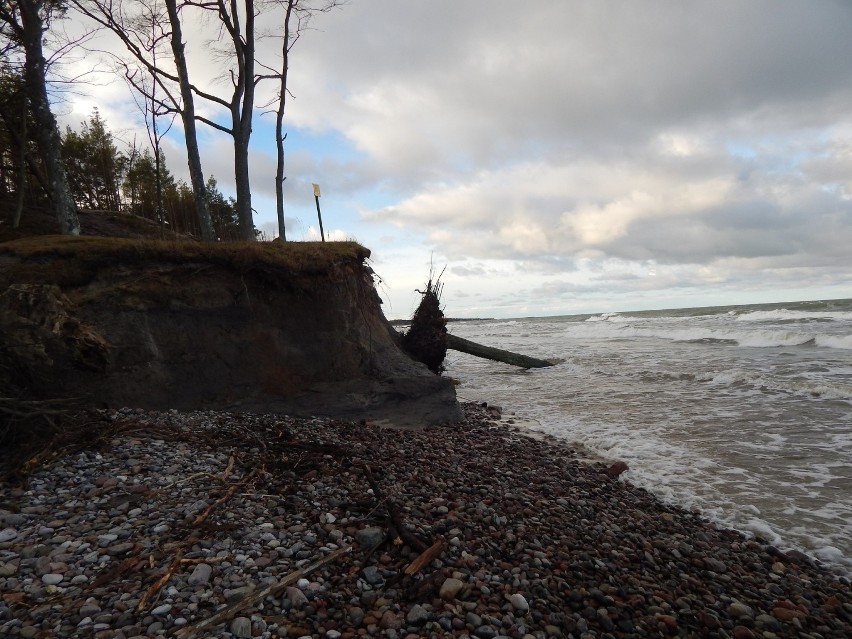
pixel 784 315
pixel 834 341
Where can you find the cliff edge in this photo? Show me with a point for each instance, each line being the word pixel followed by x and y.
pixel 292 328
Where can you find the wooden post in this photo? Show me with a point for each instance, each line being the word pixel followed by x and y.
pixel 319 214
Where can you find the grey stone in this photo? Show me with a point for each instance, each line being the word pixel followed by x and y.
pixel 297 597
pixel 12 519
pixel 370 537
pixel 51 579
pixel 485 632
pixel 8 534
pixel 372 576
pixel 356 616
pixel 237 594
pixel 519 602
pixel 450 588
pixel 417 616
pixel 740 610
pixel 107 539
pixel 161 611
pixel 241 627
pixel 120 549
pixel 200 575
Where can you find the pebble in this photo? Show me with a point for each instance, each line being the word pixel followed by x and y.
pixel 200 575
pixel 538 544
pixel 450 588
pixel 8 534
pixel 370 537
pixel 296 597
pixel 519 602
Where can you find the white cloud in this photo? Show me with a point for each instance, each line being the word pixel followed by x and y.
pixel 598 149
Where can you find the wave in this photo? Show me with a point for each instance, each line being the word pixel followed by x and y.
pixel 785 315
pixel 834 341
pixel 771 383
pixel 604 317
pixel 761 338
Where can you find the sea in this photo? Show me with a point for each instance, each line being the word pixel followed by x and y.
pixel 743 413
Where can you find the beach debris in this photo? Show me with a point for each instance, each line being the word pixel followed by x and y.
pixel 259 595
pixel 397 532
pixel 496 354
pixel 426 338
pixel 425 557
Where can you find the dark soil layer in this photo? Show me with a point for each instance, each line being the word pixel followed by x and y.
pixel 532 541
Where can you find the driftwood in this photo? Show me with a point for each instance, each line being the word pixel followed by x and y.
pixel 424 558
pixel 259 595
pixel 496 354
pixel 154 588
pixel 397 531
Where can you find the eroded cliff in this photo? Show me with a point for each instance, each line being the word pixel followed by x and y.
pixel 291 328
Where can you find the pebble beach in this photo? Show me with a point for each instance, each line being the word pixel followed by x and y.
pixel 212 524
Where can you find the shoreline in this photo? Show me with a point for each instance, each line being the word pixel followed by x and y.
pixel 526 427
pixel 528 540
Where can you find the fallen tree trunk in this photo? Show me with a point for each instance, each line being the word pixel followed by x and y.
pixel 496 354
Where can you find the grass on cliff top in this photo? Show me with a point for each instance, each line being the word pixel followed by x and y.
pixel 72 253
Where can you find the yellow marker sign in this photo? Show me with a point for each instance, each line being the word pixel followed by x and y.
pixel 316 190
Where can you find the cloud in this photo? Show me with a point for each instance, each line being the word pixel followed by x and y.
pixel 585 148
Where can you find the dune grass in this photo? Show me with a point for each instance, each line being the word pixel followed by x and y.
pixel 73 261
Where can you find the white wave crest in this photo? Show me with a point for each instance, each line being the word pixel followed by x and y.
pixel 834 341
pixel 753 338
pixel 783 314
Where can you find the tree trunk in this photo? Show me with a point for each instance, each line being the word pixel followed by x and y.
pixel 22 167
pixel 187 114
pixel 279 124
pixel 496 354
pixel 242 178
pixel 46 132
pixel 241 112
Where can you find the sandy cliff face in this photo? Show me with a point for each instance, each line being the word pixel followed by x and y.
pixel 273 328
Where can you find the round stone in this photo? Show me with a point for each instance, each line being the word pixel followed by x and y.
pixel 519 602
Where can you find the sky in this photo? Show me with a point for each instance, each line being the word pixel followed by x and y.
pixel 555 158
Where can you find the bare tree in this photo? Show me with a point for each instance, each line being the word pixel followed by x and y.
pixel 188 116
pixel 297 15
pixel 142 32
pixel 152 110
pixel 240 31
pixel 235 45
pixel 25 22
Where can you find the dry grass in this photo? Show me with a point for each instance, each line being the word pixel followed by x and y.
pixel 73 261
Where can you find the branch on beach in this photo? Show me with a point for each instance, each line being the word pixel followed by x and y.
pixel 425 558
pixel 259 595
pixel 397 531
pixel 228 494
pixel 155 587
